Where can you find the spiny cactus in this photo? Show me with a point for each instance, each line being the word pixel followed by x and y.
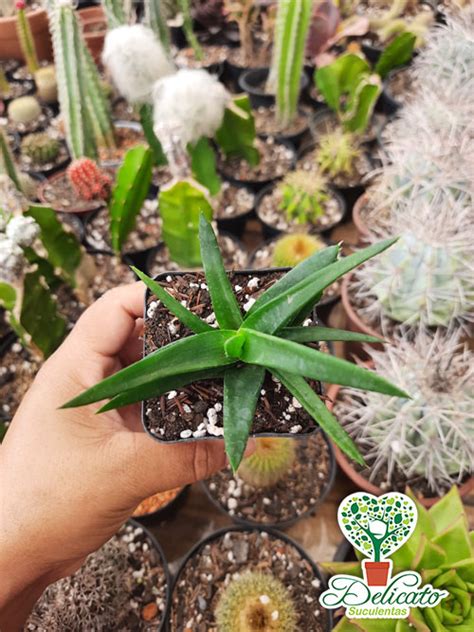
pixel 303 196
pixel 84 108
pixel 292 249
pixel 337 153
pixel 441 549
pixel 40 148
pixel 24 110
pixel 291 30
pixel 88 180
pixel 156 20
pixel 46 84
pixel 271 460
pixel 430 436
pixel 25 37
pixel 254 602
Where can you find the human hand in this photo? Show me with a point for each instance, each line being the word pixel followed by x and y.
pixel 70 478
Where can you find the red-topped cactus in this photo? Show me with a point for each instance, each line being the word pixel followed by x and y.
pixel 88 180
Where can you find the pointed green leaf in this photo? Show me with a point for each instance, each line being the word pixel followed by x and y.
pixel 203 165
pixel 279 311
pixel 319 334
pixel 275 353
pixel 397 53
pixel 241 392
pixel 189 320
pixel 317 261
pixel 236 136
pixel 195 353
pixel 447 509
pixel 313 405
pixel 223 299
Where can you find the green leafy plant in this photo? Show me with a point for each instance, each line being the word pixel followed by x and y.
pixel 441 549
pixel 271 460
pixel 303 195
pixel 243 348
pixel 291 250
pixel 236 136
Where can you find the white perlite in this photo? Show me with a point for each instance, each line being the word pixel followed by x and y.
pixel 185 434
pixel 249 304
pixel 22 231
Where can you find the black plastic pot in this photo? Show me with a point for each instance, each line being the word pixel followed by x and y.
pixel 283 524
pixel 272 231
pixel 236 225
pixel 257 273
pixel 271 533
pixel 252 81
pixel 59 166
pixel 166 512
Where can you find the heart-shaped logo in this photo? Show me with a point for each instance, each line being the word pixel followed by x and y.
pixel 377 526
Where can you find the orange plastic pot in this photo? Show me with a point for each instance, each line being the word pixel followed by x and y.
pixel 10 44
pixel 376 573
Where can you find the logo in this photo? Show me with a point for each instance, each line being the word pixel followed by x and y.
pixel 377 527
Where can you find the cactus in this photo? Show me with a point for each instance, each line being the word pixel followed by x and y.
pixel 430 435
pixel 129 192
pixel 269 463
pixel 4 85
pixel 392 23
pixel 303 196
pixel 7 165
pixel 89 182
pixel 337 153
pixel 155 19
pixel 292 249
pixel 46 84
pixel 116 12
pixel 24 110
pixel 185 9
pixel 441 549
pixel 181 204
pixel 245 13
pixel 291 30
pixel 249 602
pixel 40 148
pixel 84 108
pixel 25 37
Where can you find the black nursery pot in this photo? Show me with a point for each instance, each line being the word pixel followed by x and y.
pixel 307 426
pixel 235 225
pixel 189 562
pixel 283 524
pixel 253 80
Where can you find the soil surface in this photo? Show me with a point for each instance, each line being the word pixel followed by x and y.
pixel 233 201
pixel 267 124
pixel 400 85
pixel 196 410
pixel 212 55
pixel 269 212
pixel 121 587
pixel 123 111
pixel 205 576
pixel 146 233
pixel 17 371
pixel 276 159
pixel 125 138
pixel 294 495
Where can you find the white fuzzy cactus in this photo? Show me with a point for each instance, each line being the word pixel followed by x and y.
pixel 429 437
pixel 136 60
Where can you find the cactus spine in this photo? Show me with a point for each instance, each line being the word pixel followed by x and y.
pixel 292 26
pixel 25 36
pixel 83 105
pixel 88 181
pixel 155 19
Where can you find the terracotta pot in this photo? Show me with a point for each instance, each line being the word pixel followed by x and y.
pixel 10 45
pixel 357 219
pixel 94 38
pixel 376 573
pixel 91 13
pixel 362 483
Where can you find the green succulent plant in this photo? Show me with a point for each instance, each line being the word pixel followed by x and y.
pixel 269 463
pixel 293 249
pixel 249 602
pixel 243 348
pixel 337 153
pixel 441 549
pixel 40 147
pixel 303 195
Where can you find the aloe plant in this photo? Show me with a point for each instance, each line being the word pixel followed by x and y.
pixel 441 549
pixel 242 349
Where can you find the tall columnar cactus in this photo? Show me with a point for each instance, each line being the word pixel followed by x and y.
pixel 185 8
pixel 84 108
pixel 116 12
pixel 155 19
pixel 429 436
pixel 25 36
pixel 441 549
pixel 292 26
pixel 7 165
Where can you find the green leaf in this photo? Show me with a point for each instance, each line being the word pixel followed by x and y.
pixel 397 53
pixel 317 334
pixel 146 119
pixel 363 103
pixel 224 302
pixel 130 190
pixel 279 311
pixel 340 78
pixel 203 165
pixel 446 510
pixel 195 353
pixel 276 353
pixel 241 392
pixel 317 261
pixel 189 320
pixel 313 405
pixel 64 251
pixel 236 136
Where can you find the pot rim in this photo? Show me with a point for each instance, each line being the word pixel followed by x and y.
pixel 95 204
pixel 247 529
pixel 163 512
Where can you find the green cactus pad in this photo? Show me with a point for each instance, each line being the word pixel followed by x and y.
pixel 269 463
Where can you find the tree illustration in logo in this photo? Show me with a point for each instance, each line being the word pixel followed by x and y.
pixel 377 526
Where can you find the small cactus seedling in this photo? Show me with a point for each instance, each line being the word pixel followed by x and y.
pixel 46 84
pixel 88 180
pixel 249 604
pixel 337 153
pixel 41 148
pixel 271 460
pixel 25 37
pixel 24 110
pixel 303 196
pixel 293 249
